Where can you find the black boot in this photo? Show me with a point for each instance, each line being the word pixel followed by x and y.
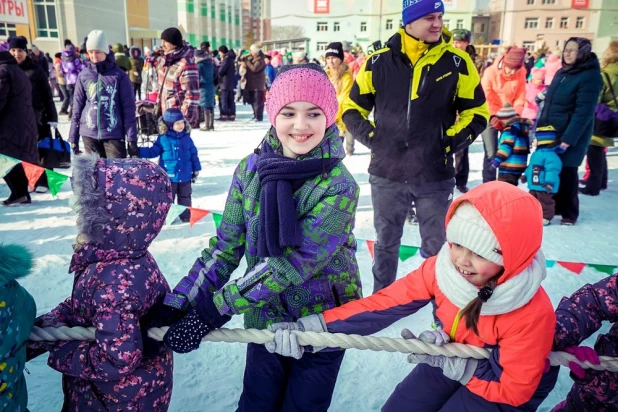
pixel 210 119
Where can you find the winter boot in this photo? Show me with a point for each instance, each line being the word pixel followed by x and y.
pixel 210 119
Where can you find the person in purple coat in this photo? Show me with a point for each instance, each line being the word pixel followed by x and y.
pixel 103 105
pixel 577 318
pixel 71 65
pixel 118 289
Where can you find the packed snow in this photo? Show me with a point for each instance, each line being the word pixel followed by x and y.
pixel 211 377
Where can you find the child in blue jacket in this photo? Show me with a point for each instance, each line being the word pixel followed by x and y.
pixel 543 172
pixel 513 146
pixel 177 156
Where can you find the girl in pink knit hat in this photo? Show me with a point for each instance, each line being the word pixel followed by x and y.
pixel 290 212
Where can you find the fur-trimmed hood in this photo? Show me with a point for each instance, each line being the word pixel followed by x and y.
pixel 121 205
pixel 15 262
pixel 163 129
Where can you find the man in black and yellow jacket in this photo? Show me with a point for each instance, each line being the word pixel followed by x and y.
pixel 416 85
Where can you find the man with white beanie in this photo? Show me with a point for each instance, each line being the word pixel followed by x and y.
pixel 103 105
pixel 256 80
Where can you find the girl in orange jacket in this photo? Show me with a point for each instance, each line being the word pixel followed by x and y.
pixel 486 282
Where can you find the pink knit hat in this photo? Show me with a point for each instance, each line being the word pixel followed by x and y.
pixel 302 83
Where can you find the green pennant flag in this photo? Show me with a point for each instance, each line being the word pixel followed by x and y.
pixel 217 218
pixel 55 181
pixel 6 164
pixel 609 269
pixel 173 213
pixel 406 252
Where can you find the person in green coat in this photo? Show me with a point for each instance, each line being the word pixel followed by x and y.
pixel 569 107
pixel 597 180
pixel 17 313
pixel 122 61
pixel 135 73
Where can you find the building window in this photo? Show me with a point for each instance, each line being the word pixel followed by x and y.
pixel 564 22
pixel 549 23
pixel 336 26
pixel 579 23
pixel 548 1
pixel 363 26
pixel 389 24
pixel 446 23
pixel 530 45
pixel 530 2
pixel 322 26
pixel 557 43
pixel 190 6
pixel 459 24
pixel 531 23
pixel 321 46
pixel 203 9
pixel 46 24
pixel 7 30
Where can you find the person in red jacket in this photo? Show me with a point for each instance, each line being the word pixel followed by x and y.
pixel 486 282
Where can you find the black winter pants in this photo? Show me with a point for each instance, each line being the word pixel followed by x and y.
pixel 137 91
pixel 17 182
pixel 181 195
pixel 490 144
pixel 257 101
pixel 567 200
pixel 228 106
pixel 391 203
pixel 597 161
pixel 276 383
pixel 68 98
pixel 462 167
pixel 109 148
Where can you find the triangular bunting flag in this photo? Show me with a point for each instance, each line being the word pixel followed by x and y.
pixel 550 263
pixel 406 252
pixel 217 217
pixel 197 215
pixel 55 181
pixel 6 164
pixel 608 269
pixel 370 244
pixel 574 267
pixel 173 213
pixel 33 173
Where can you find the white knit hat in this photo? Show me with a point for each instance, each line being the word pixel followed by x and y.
pixel 469 229
pixel 97 40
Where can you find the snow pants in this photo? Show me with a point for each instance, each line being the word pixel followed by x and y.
pixel 547 203
pixel 181 195
pixel 391 204
pixel 227 104
pixel 490 145
pixel 276 383
pixel 427 389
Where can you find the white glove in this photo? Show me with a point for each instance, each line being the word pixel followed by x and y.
pixel 53 124
pixel 286 341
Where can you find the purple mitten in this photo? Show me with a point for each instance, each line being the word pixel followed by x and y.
pixel 604 113
pixel 583 354
pixel 495 163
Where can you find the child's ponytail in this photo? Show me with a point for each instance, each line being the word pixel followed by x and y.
pixel 472 311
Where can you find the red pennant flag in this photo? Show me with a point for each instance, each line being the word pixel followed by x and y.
pixel 32 173
pixel 574 267
pixel 370 244
pixel 197 215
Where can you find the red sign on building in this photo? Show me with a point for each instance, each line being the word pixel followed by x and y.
pixel 323 6
pixel 580 4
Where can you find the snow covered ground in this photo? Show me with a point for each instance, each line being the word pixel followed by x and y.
pixel 211 378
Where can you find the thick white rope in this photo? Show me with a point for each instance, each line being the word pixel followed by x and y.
pixel 337 340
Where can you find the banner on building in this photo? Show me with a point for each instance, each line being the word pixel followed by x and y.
pixel 321 6
pixel 449 4
pixel 580 4
pixel 14 11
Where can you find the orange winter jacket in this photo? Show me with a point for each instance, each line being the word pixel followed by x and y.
pixel 521 339
pixel 500 88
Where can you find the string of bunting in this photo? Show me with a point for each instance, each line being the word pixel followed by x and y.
pixel 56 180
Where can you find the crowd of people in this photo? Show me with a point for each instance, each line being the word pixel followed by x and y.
pixel 290 213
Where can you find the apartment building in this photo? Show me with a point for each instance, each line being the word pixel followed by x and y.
pixel 214 21
pixel 50 22
pixel 532 23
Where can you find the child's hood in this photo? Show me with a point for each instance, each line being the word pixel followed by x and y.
pixel 164 129
pixel 121 203
pixel 514 216
pixel 15 262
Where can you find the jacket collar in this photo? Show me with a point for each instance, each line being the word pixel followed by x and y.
pixel 395 43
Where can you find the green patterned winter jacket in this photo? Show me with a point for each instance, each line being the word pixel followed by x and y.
pixel 320 274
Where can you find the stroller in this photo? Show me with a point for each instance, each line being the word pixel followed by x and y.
pixel 147 129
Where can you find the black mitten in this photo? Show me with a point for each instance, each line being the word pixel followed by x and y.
pixel 185 335
pixel 159 315
pixel 208 311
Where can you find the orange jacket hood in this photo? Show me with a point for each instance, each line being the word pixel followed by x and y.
pixel 515 217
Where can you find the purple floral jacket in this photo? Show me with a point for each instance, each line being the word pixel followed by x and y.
pixel 122 205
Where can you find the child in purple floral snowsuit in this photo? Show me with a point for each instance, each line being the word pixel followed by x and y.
pixel 121 206
pixel 577 318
